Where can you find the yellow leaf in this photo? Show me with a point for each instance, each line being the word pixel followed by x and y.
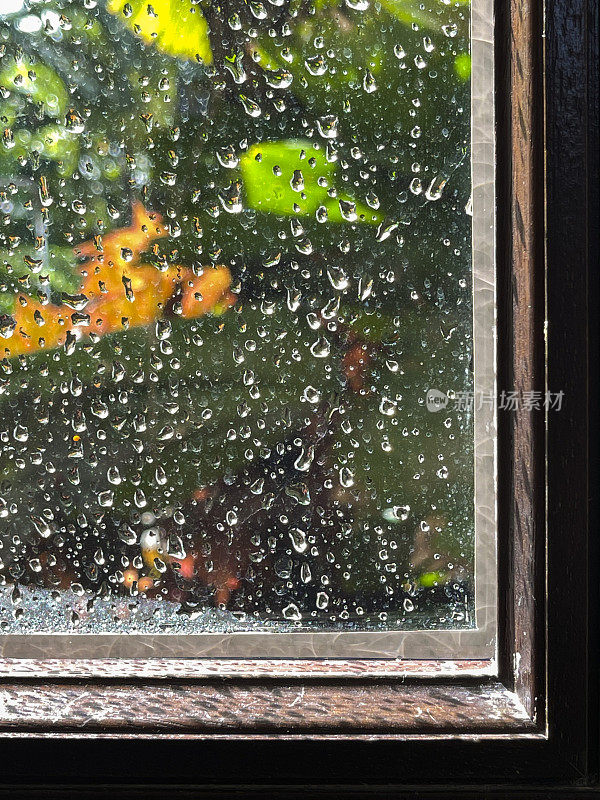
pixel 176 27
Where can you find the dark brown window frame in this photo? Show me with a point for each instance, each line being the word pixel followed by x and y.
pixel 535 722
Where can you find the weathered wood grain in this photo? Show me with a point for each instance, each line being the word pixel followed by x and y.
pixel 528 315
pixel 242 708
pixel 521 326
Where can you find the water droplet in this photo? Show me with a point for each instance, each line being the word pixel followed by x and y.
pixel 297 181
pixel 372 200
pixel 278 78
pixel 231 198
pixel 369 83
pixel 73 122
pixel 8 138
pixel 175 547
pixel 106 498
pixel 321 348
pixel 385 230
pixel 305 459
pixel 322 214
pixel 298 538
pixel 7 326
pixel 346 477
pixel 436 187
pixel 348 210
pixel 299 492
pixel 113 475
pixel 163 329
pixel 76 301
pixel 251 107
pixel 331 309
pixel 387 407
pixel 234 64
pixel 312 395
pixel 316 65
pixel 328 126
pixel 396 513
pixel 227 158
pixel 365 288
pixel 41 526
pixel 292 612
pixel 293 299
pixel 338 278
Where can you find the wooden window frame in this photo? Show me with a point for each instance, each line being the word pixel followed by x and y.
pixel 536 723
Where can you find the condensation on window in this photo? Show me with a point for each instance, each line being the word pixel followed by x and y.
pixel 236 315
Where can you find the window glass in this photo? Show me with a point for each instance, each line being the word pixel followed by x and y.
pixel 236 299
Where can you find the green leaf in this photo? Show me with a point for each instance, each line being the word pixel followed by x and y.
pixel 176 27
pixel 415 12
pixel 374 69
pixel 429 579
pixel 60 269
pixel 39 82
pixel 293 177
pixel 462 66
pixel 52 142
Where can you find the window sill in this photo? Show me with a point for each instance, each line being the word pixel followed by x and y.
pixel 218 708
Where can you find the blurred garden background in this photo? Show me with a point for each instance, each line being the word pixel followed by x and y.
pixel 235 254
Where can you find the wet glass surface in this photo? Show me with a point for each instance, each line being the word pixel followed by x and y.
pixel 235 260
